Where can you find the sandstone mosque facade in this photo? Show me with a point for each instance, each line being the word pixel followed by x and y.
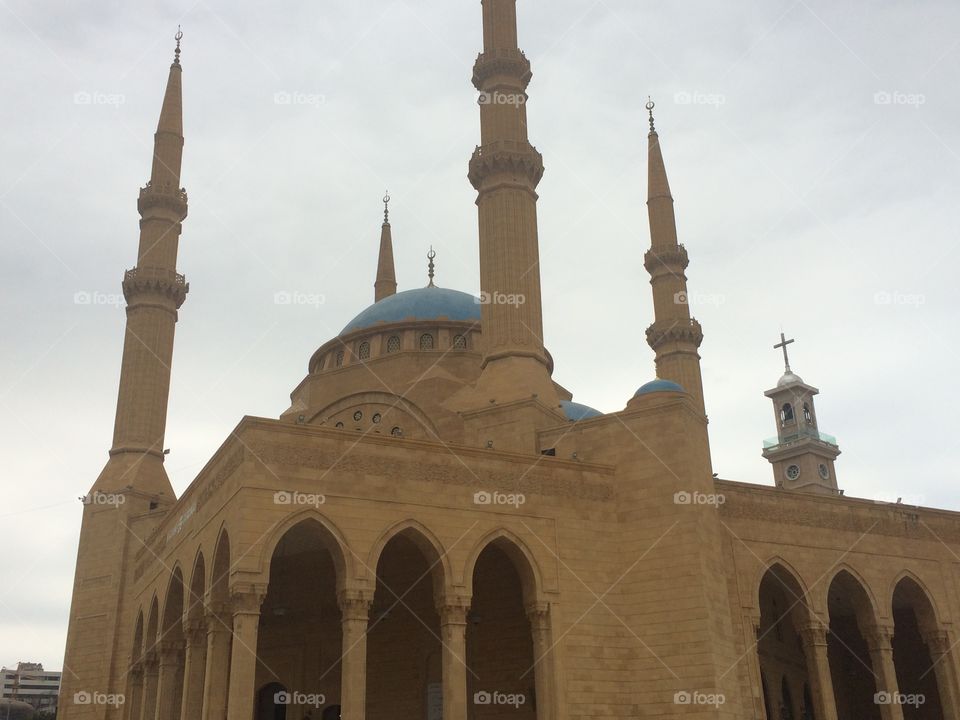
pixel 435 529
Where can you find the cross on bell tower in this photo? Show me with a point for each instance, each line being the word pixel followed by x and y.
pixel 802 456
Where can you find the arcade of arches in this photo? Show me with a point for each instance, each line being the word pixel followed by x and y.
pixel 306 645
pixel 853 666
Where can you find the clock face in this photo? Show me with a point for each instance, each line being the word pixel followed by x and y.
pixel 793 471
pixel 824 471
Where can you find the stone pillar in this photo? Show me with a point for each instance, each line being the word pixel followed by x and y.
pixel 938 643
pixel 219 623
pixel 881 659
pixel 151 672
pixel 453 635
pixel 134 699
pixel 194 667
pixel 544 666
pixel 355 615
pixel 814 637
pixel 168 686
pixel 243 654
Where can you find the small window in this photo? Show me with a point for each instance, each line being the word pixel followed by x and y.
pixel 426 341
pixel 358 416
pixel 806 413
pixel 786 414
pixel 459 342
pixel 396 432
pixel 339 426
pixel 364 351
pixel 393 344
pixel 340 359
pixel 377 418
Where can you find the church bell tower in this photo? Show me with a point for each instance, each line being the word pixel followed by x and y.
pixel 802 456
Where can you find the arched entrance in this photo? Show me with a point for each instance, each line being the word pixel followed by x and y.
pixel 270 702
pixel 403 640
pixel 854 679
pixel 299 641
pixel 500 653
pixel 915 625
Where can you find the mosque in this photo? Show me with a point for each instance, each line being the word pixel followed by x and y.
pixel 435 529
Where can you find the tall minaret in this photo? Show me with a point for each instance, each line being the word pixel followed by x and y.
pixel 674 335
pixel 386 282
pixel 505 170
pixel 132 493
pixel 154 291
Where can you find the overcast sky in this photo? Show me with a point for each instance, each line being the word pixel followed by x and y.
pixel 813 151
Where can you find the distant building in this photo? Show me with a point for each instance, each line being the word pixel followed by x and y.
pixel 31 684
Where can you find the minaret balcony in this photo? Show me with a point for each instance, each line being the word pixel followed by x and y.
pixel 684 332
pixel 156 281
pixel 164 197
pixel 512 65
pixel 775 443
pixel 508 157
pixel 670 260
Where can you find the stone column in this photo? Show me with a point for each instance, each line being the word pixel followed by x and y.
pixel 814 637
pixel 544 667
pixel 134 699
pixel 881 659
pixel 938 643
pixel 194 668
pixel 243 654
pixel 219 624
pixel 151 672
pixel 171 666
pixel 453 635
pixel 355 616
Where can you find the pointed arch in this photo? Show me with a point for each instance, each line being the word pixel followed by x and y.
pixel 865 603
pixel 153 625
pixel 219 585
pixel 908 587
pixel 172 616
pixel 331 536
pixel 786 576
pixel 524 562
pixel 197 588
pixel 137 650
pixel 428 544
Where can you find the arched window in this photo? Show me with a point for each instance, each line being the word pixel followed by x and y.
pixel 459 342
pixel 397 432
pixel 807 415
pixel 364 351
pixel 339 426
pixel 426 341
pixel 786 414
pixel 393 344
pixel 339 362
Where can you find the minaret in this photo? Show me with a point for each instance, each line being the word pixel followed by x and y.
pixel 386 282
pixel 505 170
pixel 154 291
pixel 674 335
pixel 802 456
pixel 132 493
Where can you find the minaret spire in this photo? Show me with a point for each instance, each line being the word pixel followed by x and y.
pixel 386 282
pixel 505 170
pixel 154 291
pixel 674 336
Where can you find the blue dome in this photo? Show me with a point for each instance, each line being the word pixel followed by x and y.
pixel 578 411
pixel 429 303
pixel 658 385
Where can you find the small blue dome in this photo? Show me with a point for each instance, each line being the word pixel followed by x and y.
pixel 658 385
pixel 578 411
pixel 429 303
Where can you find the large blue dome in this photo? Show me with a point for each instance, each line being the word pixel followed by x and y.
pixel 658 385
pixel 429 303
pixel 578 411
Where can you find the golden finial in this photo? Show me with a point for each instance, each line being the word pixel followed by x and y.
pixel 430 256
pixel 386 209
pixel 176 53
pixel 650 106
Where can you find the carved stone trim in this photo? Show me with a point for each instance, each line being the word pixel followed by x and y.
pixel 355 604
pixel 538 613
pixel 246 598
pixel 505 62
pixel 813 634
pixel 672 260
pixel 879 638
pixel 663 332
pixel 165 197
pixel 159 281
pixel 508 157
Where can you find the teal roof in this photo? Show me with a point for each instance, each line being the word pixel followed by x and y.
pixel 578 411
pixel 658 385
pixel 429 303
